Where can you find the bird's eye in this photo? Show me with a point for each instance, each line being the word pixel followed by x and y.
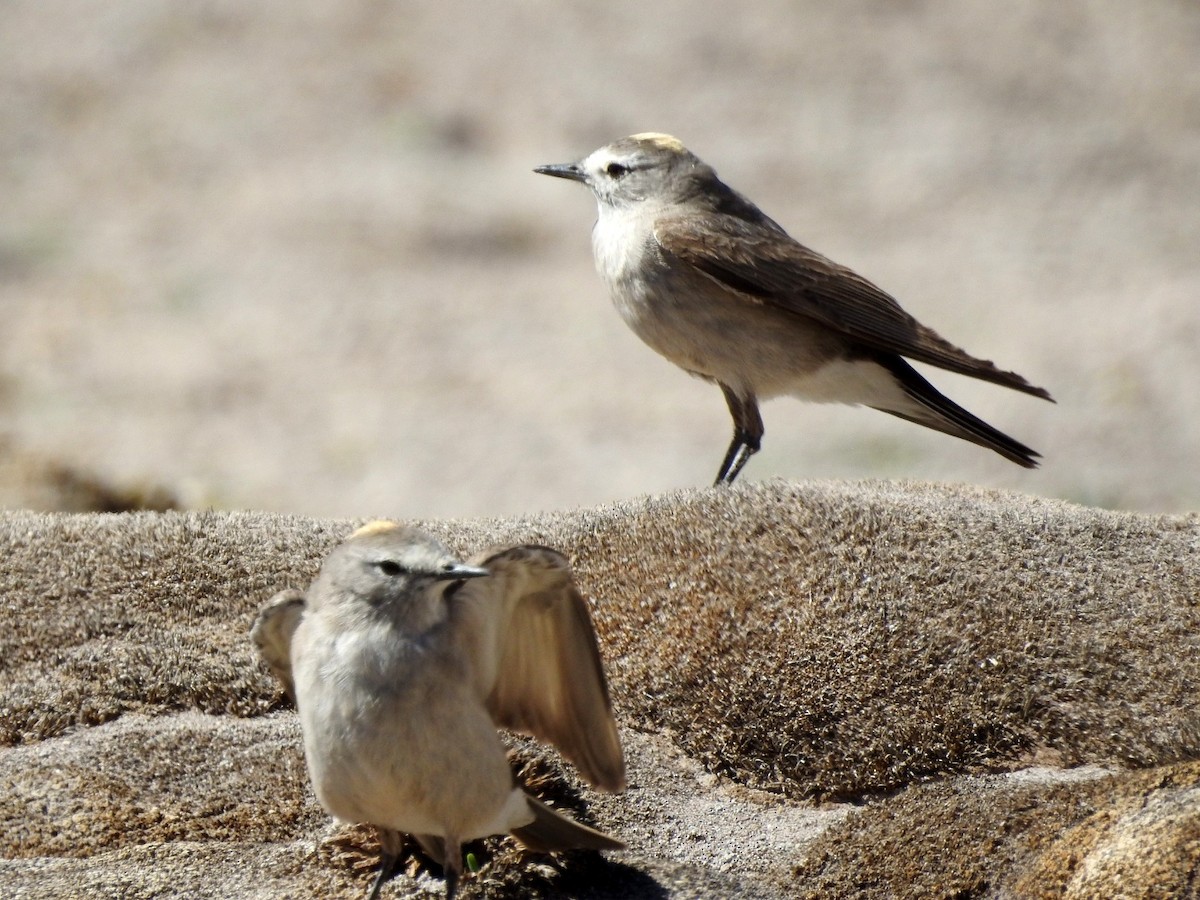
pixel 389 567
pixel 616 170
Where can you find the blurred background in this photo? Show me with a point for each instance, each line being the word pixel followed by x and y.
pixel 291 256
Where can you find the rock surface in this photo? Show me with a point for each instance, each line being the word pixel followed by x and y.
pixel 826 690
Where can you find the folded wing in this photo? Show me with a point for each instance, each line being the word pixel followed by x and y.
pixel 749 257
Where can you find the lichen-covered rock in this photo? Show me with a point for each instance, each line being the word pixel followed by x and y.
pixel 826 689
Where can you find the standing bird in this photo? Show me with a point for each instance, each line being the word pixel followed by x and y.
pixel 403 661
pixel 718 288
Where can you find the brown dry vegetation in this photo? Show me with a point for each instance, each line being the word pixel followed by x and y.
pixel 798 641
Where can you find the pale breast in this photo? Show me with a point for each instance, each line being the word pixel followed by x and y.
pixel 631 266
pixel 701 325
pixel 416 752
pixel 618 245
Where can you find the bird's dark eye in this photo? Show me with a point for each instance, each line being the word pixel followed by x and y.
pixel 389 567
pixel 616 170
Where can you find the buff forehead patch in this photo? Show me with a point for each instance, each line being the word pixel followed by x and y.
pixel 379 526
pixel 661 141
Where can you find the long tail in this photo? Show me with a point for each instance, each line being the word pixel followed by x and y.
pixel 551 830
pixel 934 410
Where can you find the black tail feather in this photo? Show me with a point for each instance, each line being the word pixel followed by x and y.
pixel 948 417
pixel 551 830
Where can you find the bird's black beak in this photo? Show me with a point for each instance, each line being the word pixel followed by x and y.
pixel 458 571
pixel 570 171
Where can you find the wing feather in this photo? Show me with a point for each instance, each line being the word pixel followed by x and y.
pixel 272 633
pixel 538 664
pixel 758 261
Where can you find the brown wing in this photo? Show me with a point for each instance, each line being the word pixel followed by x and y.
pixel 537 661
pixel 272 633
pixel 759 261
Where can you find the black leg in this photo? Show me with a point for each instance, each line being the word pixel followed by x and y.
pixel 453 866
pixel 747 435
pixel 390 845
pixel 735 448
pixel 740 451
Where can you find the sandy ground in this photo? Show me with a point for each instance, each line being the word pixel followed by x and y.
pixel 291 256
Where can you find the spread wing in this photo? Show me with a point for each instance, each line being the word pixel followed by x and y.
pixel 272 633
pixel 760 262
pixel 538 663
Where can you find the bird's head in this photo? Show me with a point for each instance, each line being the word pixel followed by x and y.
pixel 635 169
pixel 398 570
